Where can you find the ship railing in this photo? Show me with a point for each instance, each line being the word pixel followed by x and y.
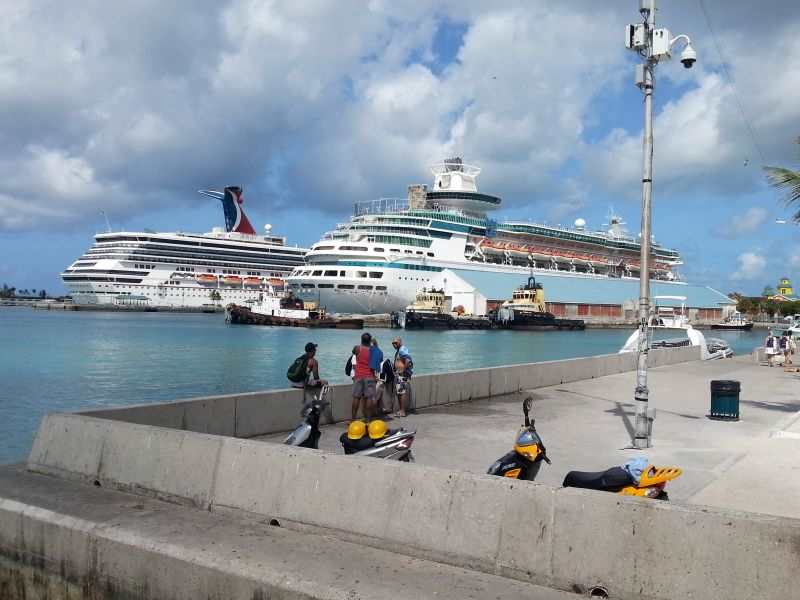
pixel 380 206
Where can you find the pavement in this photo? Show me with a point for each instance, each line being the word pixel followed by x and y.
pixel 587 425
pixel 118 542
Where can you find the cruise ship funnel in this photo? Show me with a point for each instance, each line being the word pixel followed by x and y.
pixel 232 200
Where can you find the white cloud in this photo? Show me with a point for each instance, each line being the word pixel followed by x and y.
pixel 319 104
pixel 751 266
pixel 740 225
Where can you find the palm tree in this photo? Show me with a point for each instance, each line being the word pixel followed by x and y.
pixel 788 180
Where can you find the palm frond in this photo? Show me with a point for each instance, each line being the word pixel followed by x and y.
pixel 787 180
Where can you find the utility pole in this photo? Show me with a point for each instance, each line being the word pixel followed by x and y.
pixel 652 45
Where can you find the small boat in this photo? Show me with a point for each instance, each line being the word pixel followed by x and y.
pixel 736 322
pixel 666 319
pixel 527 311
pixel 232 280
pixel 206 278
pixel 252 280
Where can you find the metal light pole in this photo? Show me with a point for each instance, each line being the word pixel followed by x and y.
pixel 652 45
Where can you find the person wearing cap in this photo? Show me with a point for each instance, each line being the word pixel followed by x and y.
pixel 312 380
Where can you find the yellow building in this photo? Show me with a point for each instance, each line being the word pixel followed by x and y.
pixel 785 287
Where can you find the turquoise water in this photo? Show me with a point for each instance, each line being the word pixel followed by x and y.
pixel 66 361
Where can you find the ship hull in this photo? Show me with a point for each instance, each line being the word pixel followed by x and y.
pixel 496 282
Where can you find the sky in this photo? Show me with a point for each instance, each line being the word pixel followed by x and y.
pixel 128 108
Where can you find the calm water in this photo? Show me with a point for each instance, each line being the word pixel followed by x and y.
pixel 65 361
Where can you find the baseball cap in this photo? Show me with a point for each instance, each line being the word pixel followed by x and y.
pixel 310 347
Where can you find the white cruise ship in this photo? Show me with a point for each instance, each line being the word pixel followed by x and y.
pixel 184 270
pixel 443 237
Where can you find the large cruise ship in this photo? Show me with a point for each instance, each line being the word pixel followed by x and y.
pixel 184 270
pixel 443 237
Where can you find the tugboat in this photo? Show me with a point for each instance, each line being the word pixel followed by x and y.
pixel 736 322
pixel 526 311
pixel 286 310
pixel 432 310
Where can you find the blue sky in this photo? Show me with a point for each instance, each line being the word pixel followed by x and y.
pixel 312 107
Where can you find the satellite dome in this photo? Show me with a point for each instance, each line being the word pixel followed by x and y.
pixel 580 224
pixel 268 227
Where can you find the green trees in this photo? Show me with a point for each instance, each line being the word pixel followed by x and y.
pixel 788 181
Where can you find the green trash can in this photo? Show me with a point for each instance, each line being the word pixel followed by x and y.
pixel 725 400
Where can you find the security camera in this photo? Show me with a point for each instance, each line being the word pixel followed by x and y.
pixel 688 56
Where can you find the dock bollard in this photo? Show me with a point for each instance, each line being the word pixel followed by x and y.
pixel 725 400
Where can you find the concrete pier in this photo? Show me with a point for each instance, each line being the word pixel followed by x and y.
pixel 165 502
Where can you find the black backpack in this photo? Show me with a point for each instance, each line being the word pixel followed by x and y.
pixel 348 366
pixel 296 372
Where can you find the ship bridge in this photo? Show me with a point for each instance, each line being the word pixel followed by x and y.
pixel 454 185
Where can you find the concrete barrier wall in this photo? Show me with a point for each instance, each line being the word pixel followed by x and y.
pixel 259 413
pixel 564 538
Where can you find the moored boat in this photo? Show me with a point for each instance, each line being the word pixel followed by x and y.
pixel 736 322
pixel 432 309
pixel 244 315
pixel 669 316
pixel 527 311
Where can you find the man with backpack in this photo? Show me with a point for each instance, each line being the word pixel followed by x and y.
pixel 303 373
pixel 403 369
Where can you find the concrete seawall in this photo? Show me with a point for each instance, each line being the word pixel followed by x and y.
pixel 259 413
pixel 563 538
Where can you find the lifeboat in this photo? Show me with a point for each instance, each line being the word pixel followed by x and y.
pixel 276 282
pixel 206 278
pixel 232 280
pixel 252 280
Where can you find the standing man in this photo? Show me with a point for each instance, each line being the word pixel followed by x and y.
pixel 403 366
pixel 364 379
pixel 786 348
pixel 771 347
pixel 304 371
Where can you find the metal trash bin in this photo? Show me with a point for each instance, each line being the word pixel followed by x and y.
pixel 725 400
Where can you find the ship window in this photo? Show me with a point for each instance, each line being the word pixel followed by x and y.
pixel 307 285
pixel 316 273
pixel 430 253
pixel 361 273
pixel 378 249
pixel 365 287
pixel 325 285
pixel 345 286
pixel 375 274
pixel 394 249
pixel 419 251
pixel 342 273
pixel 358 248
pixel 380 287
pixel 330 273
pixel 408 251
pixel 323 247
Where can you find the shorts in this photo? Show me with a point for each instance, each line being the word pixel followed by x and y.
pixel 401 384
pixel 364 388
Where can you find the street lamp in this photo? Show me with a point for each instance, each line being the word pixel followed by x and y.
pixel 653 45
